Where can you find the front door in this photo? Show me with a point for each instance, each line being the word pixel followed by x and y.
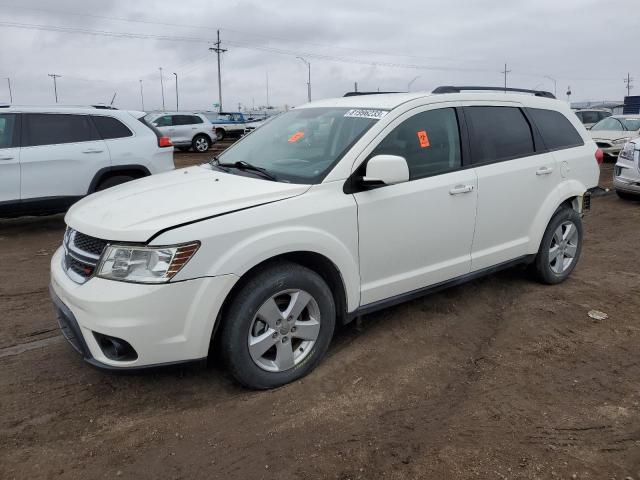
pixel 419 233
pixel 9 158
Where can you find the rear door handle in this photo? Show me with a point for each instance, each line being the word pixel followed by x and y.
pixel 6 158
pixel 458 189
pixel 544 171
pixel 92 150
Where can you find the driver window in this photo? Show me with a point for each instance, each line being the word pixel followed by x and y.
pixel 428 141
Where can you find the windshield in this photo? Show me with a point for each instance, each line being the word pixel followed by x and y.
pixel 301 146
pixel 611 124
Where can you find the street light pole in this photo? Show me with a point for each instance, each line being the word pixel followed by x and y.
pixel 161 87
pixel 308 64
pixel 141 96
pixel 411 83
pixel 177 105
pixel 55 86
pixel 10 94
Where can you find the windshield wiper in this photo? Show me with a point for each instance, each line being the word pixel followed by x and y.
pixel 242 165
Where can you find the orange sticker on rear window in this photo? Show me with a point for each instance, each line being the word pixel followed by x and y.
pixel 296 136
pixel 423 138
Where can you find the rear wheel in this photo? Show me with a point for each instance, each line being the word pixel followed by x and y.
pixel 278 327
pixel 113 181
pixel 201 143
pixel 560 248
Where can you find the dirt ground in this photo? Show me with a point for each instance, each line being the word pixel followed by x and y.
pixel 498 378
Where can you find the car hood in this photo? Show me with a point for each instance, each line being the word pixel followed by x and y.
pixel 611 134
pixel 137 210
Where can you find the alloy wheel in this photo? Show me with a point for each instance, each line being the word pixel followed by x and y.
pixel 564 245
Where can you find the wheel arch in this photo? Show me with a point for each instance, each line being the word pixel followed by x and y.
pixel 138 171
pixel 567 194
pixel 314 261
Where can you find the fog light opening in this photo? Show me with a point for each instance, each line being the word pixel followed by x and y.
pixel 115 348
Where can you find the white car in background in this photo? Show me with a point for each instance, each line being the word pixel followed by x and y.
pixel 186 130
pixel 50 157
pixel 613 132
pixel 332 210
pixel 626 173
pixel 590 116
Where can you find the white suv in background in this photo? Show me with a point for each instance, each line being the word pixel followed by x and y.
pixel 186 130
pixel 51 157
pixel 330 211
pixel 626 173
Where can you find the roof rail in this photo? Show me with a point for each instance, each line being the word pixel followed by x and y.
pixel 356 94
pixel 456 89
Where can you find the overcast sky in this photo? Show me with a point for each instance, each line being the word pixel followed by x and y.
pixel 589 45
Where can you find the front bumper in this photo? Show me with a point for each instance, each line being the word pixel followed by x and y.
pixel 165 324
pixel 626 174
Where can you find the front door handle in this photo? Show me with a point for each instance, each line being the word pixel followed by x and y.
pixel 92 150
pixel 544 171
pixel 458 189
pixel 6 158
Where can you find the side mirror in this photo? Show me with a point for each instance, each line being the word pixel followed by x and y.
pixel 386 169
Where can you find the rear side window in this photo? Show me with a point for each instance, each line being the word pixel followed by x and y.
pixel 195 120
pixel 429 142
pixel 186 120
pixel 53 128
pixel 165 121
pixel 109 127
pixel 8 130
pixel 498 133
pixel 557 132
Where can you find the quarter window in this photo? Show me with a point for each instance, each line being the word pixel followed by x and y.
pixel 110 128
pixel 52 129
pixel 429 141
pixel 7 130
pixel 499 133
pixel 557 132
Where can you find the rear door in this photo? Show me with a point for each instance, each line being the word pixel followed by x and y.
pixel 515 176
pixel 9 157
pixel 60 155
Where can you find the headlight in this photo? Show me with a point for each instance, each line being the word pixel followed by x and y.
pixel 628 151
pixel 619 141
pixel 140 264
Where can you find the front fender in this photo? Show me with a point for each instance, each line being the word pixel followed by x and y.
pixel 564 191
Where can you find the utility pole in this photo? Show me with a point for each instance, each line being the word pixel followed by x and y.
pixel 628 81
pixel 308 64
pixel 161 87
pixel 505 71
pixel 177 105
pixel 411 83
pixel 355 86
pixel 569 95
pixel 267 74
pixel 55 86
pixel 141 96
pixel 10 94
pixel 555 89
pixel 218 51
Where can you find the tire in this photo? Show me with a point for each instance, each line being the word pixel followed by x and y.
pixel 200 143
pixel 113 181
pixel 628 196
pixel 563 236
pixel 285 351
pixel 184 149
pixel 220 134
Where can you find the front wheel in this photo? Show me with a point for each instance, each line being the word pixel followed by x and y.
pixel 220 134
pixel 560 248
pixel 201 143
pixel 278 327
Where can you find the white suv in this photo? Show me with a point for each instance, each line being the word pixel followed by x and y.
pixel 626 173
pixel 52 157
pixel 332 210
pixel 186 130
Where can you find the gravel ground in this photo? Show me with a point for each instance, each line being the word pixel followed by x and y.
pixel 498 378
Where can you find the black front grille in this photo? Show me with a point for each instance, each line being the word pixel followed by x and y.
pixel 89 244
pixel 85 270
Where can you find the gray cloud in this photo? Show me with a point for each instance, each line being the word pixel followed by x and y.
pixel 582 43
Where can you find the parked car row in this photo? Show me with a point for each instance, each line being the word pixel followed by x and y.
pixel 52 157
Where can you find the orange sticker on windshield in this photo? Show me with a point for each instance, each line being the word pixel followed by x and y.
pixel 423 138
pixel 296 136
